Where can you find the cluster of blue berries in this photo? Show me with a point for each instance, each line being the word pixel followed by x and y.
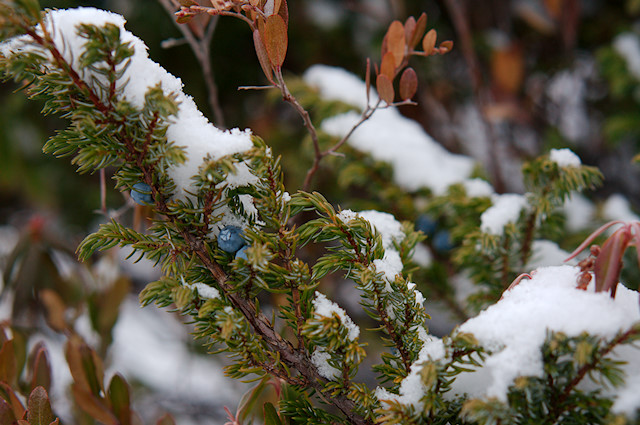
pixel 141 194
pixel 440 238
pixel 230 239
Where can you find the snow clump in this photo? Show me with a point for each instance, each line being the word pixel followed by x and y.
pixel 505 209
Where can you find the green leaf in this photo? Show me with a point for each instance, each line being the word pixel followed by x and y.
pixel 270 415
pixel 39 408
pixel 120 399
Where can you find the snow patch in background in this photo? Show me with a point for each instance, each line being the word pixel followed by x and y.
pixel 627 45
pixel 515 328
pixel 617 207
pixel 505 209
pixel 417 160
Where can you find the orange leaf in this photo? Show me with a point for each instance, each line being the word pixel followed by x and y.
pixel 429 42
pixel 421 27
pixel 408 84
pixel 446 46
pixel 507 69
pixel 275 39
pixel 388 67
pixel 263 58
pixel 409 28
pixel 396 42
pixel 385 88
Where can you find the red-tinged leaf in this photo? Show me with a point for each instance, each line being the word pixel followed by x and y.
pixel 408 84
pixel 120 399
pixel 263 58
pixel 284 12
pixel 409 29
pixel 421 27
pixel 167 419
pixel 8 395
pixel 7 417
pixel 93 406
pixel 275 39
pixel 87 375
pixel 429 42
pixel 8 367
pixel 367 79
pixel 385 88
pixel 56 422
pixel 396 42
pixel 608 263
pixel 250 399
pixel 41 369
pixel 591 238
pixel 388 65
pixel 446 46
pixel 39 408
pixel 635 225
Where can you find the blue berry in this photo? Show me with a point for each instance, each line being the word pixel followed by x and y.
pixel 442 241
pixel 426 224
pixel 141 194
pixel 242 253
pixel 230 239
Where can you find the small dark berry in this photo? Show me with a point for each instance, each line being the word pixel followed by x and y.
pixel 426 224
pixel 442 241
pixel 230 239
pixel 141 194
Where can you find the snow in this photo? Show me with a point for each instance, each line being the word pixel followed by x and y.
pixel 515 328
pixel 627 45
pixel 546 253
pixel 325 308
pixel 417 160
pixel 204 291
pixel 189 129
pixel 478 188
pixel 579 212
pixel 564 158
pixel 617 207
pixel 320 360
pixel 567 107
pixel 505 209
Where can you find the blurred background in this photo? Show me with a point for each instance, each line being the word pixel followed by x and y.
pixel 524 76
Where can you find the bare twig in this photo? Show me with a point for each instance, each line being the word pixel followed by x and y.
pixel 201 48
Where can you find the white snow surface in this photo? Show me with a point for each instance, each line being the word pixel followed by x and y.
pixel 325 307
pixel 565 157
pixel 506 209
pixel 189 129
pixel 627 45
pixel 514 329
pixel 617 207
pixel 417 160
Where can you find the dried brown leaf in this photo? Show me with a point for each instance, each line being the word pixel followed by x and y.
pixel 385 88
pixel 388 65
pixel 409 29
pixel 55 309
pixel 396 42
pixel 8 366
pixel 421 27
pixel 429 42
pixel 446 46
pixel 408 84
pixel 275 39
pixel 263 58
pixel 93 406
